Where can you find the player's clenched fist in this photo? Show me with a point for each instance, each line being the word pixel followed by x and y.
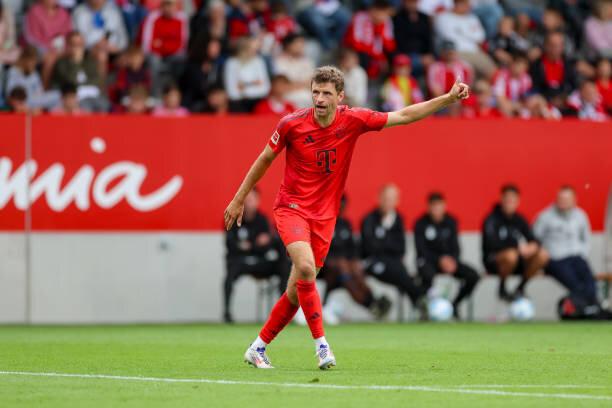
pixel 233 213
pixel 459 90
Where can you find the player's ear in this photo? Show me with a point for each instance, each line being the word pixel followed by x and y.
pixel 341 96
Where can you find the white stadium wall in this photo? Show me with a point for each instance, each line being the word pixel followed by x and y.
pixel 71 278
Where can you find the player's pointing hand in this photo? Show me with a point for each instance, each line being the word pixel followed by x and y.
pixel 459 90
pixel 233 213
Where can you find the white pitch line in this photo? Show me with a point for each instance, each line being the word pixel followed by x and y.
pixel 422 388
pixel 560 386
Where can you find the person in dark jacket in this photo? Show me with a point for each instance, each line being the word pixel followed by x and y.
pixel 437 246
pixel 252 250
pixel 383 244
pixel 553 74
pixel 343 269
pixel 508 244
pixel 414 36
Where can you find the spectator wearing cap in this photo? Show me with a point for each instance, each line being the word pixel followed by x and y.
pixel 371 35
pixel 246 76
pixel 401 88
pixel 604 83
pixel 442 74
pixel 553 74
pixel 462 27
pixel 276 103
pixel 414 36
pixel 512 85
pixel 23 74
pixel 598 29
pixel 46 26
pixel 298 68
pixel 355 78
pixel 164 41
pixel 326 20
pixel 587 103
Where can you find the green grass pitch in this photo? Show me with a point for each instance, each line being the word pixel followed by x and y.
pixel 432 365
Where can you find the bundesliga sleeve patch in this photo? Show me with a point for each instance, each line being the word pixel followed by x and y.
pixel 275 137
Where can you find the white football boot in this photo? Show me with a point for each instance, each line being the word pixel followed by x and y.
pixel 326 357
pixel 257 358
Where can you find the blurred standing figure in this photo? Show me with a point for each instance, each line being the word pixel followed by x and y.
pixel 414 36
pixel 437 246
pixel 383 243
pixel 508 244
pixel 564 230
pixel 252 250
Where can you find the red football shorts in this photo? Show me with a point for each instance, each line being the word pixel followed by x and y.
pixel 293 227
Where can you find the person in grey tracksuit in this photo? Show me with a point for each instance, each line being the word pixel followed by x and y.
pixel 564 230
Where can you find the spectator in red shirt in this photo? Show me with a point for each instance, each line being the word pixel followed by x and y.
pixel 587 103
pixel 401 89
pixel 275 103
pixel 371 35
pixel 553 74
pixel 280 24
pixel 512 85
pixel 134 72
pixel 482 105
pixel 164 40
pixel 442 74
pixel 604 83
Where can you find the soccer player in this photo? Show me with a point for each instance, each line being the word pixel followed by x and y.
pixel 319 144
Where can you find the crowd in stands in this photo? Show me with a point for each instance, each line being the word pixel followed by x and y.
pixel 558 244
pixel 545 59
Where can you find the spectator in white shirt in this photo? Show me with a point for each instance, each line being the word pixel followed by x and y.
pixel 295 65
pixel 246 76
pixel 463 28
pixel 355 78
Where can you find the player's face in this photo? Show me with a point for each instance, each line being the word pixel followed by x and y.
pixel 566 200
pixel 510 202
pixel 325 98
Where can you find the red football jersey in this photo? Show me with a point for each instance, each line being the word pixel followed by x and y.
pixel 318 158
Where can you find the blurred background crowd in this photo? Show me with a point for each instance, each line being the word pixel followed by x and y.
pixel 545 59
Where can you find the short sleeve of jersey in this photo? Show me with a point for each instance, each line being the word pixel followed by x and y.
pixel 278 141
pixel 372 120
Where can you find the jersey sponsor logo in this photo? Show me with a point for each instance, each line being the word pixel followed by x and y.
pixel 326 159
pixel 275 137
pixel 309 139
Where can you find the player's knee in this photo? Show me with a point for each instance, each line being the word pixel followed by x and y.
pixel 543 257
pixel 305 270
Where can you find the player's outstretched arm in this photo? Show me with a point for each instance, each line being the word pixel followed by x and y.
pixel 233 212
pixel 421 110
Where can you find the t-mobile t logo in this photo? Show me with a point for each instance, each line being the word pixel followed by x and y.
pixel 326 159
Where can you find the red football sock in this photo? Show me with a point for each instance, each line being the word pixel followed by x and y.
pixel 311 305
pixel 281 314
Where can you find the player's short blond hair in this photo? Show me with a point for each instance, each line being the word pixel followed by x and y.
pixel 329 74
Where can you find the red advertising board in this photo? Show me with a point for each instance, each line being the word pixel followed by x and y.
pixel 110 173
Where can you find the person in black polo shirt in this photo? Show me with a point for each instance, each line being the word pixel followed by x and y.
pixel 383 244
pixel 508 244
pixel 343 269
pixel 252 250
pixel 437 246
